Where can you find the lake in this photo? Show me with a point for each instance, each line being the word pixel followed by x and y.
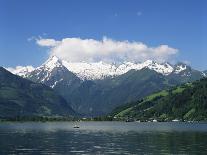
pixel 103 138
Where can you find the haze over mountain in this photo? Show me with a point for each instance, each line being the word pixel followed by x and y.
pixel 96 88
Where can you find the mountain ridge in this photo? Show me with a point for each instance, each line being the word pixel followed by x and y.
pixel 101 70
pixel 98 96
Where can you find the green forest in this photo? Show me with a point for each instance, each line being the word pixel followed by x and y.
pixel 187 102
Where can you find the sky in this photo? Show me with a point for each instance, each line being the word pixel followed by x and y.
pixel 110 30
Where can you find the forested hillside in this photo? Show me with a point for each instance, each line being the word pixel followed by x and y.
pixel 185 102
pixel 20 97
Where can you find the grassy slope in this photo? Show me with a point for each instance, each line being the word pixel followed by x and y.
pixel 187 102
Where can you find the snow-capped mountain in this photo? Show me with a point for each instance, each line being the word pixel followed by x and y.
pixel 179 68
pixel 21 71
pixel 97 70
pixel 44 72
pixel 101 70
pixel 82 83
pixel 205 73
pixel 52 73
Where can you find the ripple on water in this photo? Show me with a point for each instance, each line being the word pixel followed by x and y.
pixel 103 138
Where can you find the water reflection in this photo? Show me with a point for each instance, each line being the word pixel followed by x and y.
pixel 103 138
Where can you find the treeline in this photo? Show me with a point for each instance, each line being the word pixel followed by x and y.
pixel 37 118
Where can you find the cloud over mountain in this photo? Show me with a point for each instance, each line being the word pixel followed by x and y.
pixel 109 50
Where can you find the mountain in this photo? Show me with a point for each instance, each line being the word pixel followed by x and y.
pixel 21 71
pixel 97 88
pixel 205 73
pixel 186 102
pixel 52 73
pixel 101 70
pixel 21 97
pixel 100 97
pixel 184 73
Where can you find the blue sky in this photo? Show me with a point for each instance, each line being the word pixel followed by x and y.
pixel 180 24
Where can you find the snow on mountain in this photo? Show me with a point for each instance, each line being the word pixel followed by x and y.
pixel 101 70
pixel 97 70
pixel 204 73
pixel 164 69
pixel 21 71
pixel 51 63
pixel 179 68
pixel 45 70
pixel 91 71
pixel 55 83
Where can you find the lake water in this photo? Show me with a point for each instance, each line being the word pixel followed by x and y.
pixel 103 138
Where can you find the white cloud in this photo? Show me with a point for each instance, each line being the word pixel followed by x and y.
pixel 90 50
pixel 20 70
pixel 47 42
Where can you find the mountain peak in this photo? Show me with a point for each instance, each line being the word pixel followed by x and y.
pixel 52 63
pixel 53 60
pixel 180 66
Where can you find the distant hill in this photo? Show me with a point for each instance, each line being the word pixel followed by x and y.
pixel 21 97
pixel 186 102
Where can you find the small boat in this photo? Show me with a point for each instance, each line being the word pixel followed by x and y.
pixel 129 120
pixel 154 120
pixel 76 126
pixel 175 120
